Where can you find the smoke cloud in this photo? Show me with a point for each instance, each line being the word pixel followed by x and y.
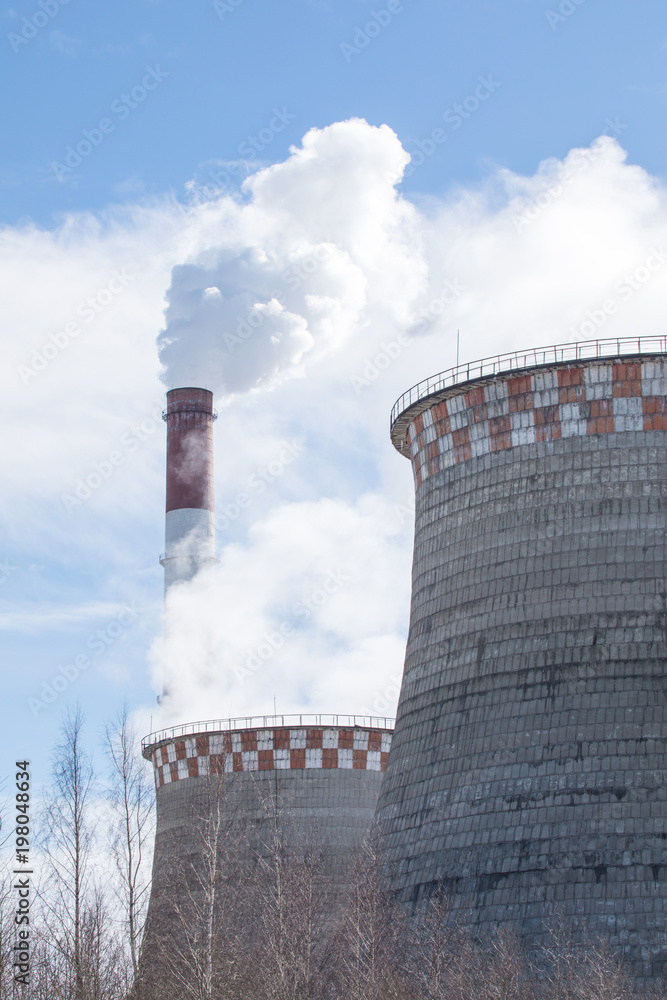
pixel 322 238
pixel 311 611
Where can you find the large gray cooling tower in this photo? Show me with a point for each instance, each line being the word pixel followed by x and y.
pixel 528 771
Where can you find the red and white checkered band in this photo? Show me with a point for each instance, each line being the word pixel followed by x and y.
pixel 288 748
pixel 574 400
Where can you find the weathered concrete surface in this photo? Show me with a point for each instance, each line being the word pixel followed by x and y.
pixel 529 762
pixel 297 789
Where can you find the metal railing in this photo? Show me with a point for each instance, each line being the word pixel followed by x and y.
pixel 266 722
pixel 536 357
pixel 188 408
pixel 203 560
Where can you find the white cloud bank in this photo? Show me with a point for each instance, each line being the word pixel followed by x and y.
pixel 311 611
pixel 293 274
pixel 325 286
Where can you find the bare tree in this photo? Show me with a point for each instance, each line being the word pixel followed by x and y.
pixel 583 969
pixel 435 946
pixel 49 972
pixel 108 976
pixel 504 968
pixel 292 910
pixel 67 845
pixel 6 934
pixel 375 929
pixel 193 937
pixel 132 800
pixel 604 976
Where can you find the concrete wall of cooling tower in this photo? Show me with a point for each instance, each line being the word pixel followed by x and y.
pixel 528 771
pixel 321 781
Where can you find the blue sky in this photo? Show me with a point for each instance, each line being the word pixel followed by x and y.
pixel 176 112
pixel 227 69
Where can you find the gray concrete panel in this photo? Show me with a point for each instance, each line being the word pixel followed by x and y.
pixel 528 769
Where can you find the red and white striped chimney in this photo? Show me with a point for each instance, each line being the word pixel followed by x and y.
pixel 190 518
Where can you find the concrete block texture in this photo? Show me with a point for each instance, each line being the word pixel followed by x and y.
pixel 528 769
pixel 230 804
pixel 324 810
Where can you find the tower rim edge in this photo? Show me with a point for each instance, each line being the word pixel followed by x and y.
pixel 456 380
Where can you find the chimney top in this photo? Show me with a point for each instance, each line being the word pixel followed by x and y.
pixel 189 400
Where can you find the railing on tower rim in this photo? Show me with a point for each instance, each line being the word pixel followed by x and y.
pixel 536 357
pixel 266 722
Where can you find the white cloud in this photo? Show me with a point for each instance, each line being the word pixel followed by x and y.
pixel 537 254
pixel 65 43
pixel 80 308
pixel 323 241
pixel 374 290
pixel 54 616
pixel 312 611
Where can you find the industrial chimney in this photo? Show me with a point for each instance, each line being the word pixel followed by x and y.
pixel 190 518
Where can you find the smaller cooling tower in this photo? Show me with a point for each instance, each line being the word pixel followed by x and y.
pixel 314 779
pixel 324 772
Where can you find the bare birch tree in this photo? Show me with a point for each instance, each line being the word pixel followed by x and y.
pixel 194 938
pixel 292 912
pixel 375 928
pixel 67 846
pixel 6 933
pixel 132 801
pixel 586 969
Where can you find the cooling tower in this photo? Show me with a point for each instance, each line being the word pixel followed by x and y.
pixel 528 768
pixel 322 772
pixel 310 781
